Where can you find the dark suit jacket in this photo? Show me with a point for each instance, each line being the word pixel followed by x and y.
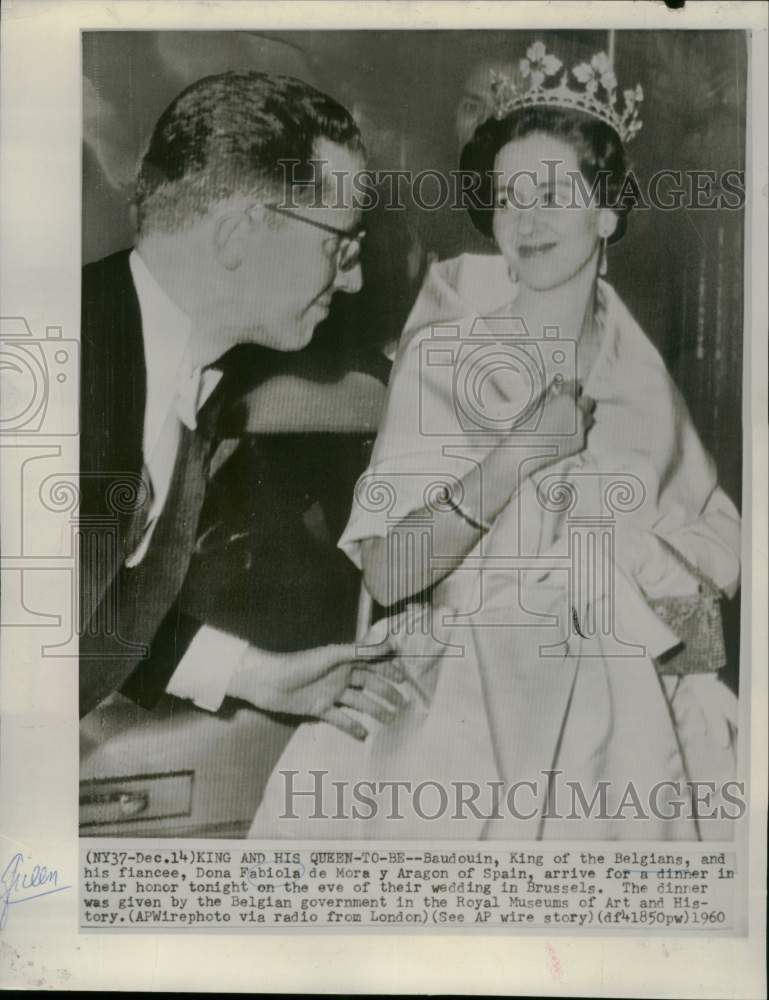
pixel 266 566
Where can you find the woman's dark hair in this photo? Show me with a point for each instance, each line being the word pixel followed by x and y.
pixel 600 156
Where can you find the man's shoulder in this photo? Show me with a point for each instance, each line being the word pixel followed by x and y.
pixel 112 350
pixel 109 270
pixel 109 301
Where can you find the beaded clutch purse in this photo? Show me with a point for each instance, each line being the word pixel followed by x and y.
pixel 696 619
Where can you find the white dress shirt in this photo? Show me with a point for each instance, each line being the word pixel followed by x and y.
pixel 175 393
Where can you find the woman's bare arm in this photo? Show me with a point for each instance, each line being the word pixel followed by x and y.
pixel 489 487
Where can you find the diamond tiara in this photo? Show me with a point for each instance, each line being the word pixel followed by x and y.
pixel 597 95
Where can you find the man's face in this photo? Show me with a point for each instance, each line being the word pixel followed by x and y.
pixel 476 103
pixel 293 267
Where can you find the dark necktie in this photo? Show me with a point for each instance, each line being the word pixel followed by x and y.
pixel 119 634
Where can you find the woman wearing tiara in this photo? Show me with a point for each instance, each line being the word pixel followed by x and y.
pixel 538 491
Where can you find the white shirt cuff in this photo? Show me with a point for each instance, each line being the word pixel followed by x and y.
pixel 206 669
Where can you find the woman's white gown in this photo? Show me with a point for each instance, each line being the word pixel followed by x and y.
pixel 517 691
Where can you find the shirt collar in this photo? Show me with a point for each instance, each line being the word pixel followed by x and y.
pixel 171 380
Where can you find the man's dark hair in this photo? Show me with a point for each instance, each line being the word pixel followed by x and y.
pixel 237 132
pixel 600 156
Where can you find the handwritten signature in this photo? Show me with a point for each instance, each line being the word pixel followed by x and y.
pixel 19 886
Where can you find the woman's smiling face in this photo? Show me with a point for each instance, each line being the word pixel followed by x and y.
pixel 545 231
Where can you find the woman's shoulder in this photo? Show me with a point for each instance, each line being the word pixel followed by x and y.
pixel 627 333
pixel 481 280
pixel 631 362
pixel 465 264
pixel 459 288
pixel 614 306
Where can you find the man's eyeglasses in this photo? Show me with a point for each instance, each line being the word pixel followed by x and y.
pixel 350 240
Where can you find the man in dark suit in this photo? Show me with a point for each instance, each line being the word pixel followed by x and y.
pixel 246 228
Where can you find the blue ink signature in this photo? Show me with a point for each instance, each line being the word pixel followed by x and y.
pixel 14 880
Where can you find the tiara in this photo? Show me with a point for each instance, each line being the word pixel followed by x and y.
pixel 597 95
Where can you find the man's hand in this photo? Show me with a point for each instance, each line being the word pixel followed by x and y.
pixel 322 683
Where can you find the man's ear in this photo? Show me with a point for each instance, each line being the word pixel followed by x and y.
pixel 230 234
pixel 607 223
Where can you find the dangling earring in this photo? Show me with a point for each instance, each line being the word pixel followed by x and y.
pixel 514 281
pixel 603 265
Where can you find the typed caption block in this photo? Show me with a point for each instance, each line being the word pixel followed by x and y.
pixel 147 887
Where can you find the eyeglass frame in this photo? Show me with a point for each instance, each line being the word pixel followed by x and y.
pixel 347 237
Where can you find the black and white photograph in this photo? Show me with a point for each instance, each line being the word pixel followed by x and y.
pixel 383 439
pixel 410 434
